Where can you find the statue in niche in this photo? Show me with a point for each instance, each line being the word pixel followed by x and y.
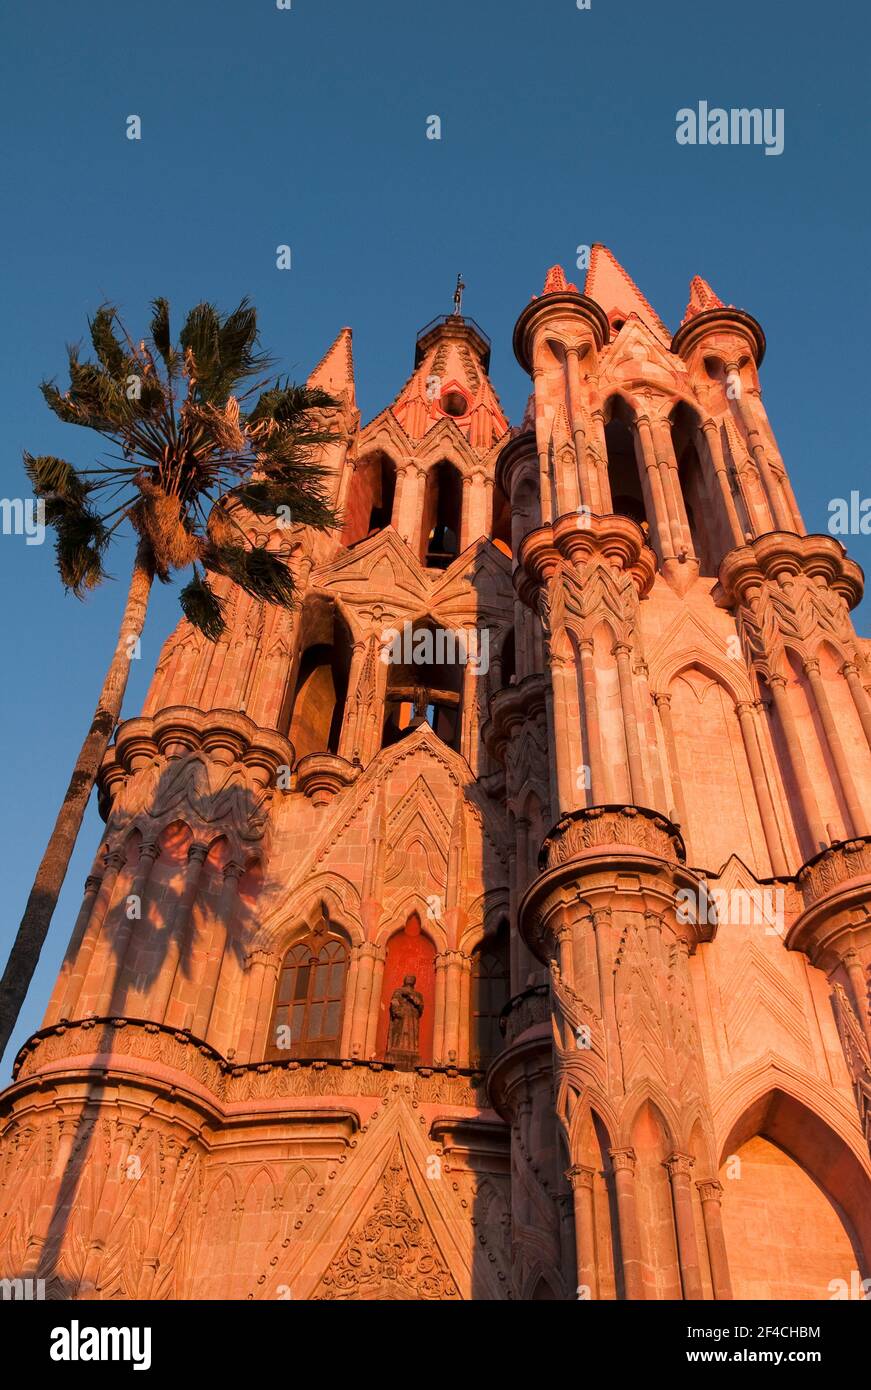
pixel 403 1037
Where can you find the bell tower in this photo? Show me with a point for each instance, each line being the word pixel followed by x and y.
pixel 506 903
pixel 700 898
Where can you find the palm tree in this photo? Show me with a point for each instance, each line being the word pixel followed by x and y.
pixel 199 438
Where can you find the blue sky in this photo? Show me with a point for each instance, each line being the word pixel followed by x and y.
pixel 307 127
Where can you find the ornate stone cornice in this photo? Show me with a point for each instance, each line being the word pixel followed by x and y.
pixel 692 332
pixel 321 775
pixel 604 827
pixel 780 555
pixel 563 303
pixel 166 1051
pixel 616 542
pixel 836 887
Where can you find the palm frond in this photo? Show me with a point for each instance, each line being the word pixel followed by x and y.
pixel 110 352
pixel 81 539
pixel 289 404
pixel 161 335
pixel 221 350
pixel 259 572
pixel 307 506
pixel 49 475
pixel 202 607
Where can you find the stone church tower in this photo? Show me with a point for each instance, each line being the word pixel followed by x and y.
pixel 496 924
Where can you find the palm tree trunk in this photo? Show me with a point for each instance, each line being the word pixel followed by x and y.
pixel 55 861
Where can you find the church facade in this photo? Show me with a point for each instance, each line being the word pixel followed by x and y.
pixel 495 925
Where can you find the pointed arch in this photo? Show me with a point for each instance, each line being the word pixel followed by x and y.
pixel 709 528
pixel 624 476
pixel 441 525
pixel 410 953
pixel 369 505
pixel 309 1003
pixel 796 1215
pixel 490 992
pixel 707 763
pixel 653 1143
pixel 317 709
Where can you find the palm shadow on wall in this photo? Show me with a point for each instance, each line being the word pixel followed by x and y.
pixel 175 924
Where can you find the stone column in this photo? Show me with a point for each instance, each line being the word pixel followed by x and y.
pixel 565 722
pixel 375 1001
pixel 565 938
pixel 92 887
pixel 605 501
pixel 438 1042
pixel 668 538
pixel 222 929
pixel 573 370
pixel 465 513
pixel 581 1180
pixel 662 701
pixel 256 969
pixel 171 1153
pixel 363 997
pixel 795 755
pixel 600 791
pixel 348 1009
pixel 850 672
pixel 453 976
pixel 465 1021
pixel 115 861
pixel 671 485
pixel 715 449
pixel 113 992
pixel 109 1200
pixel 621 652
pixel 776 501
pixel 747 722
pixel 859 986
pixel 627 1216
pixel 679 1168
pixel 858 825
pixel 711 1193
pixel 179 930
pixel 68 1131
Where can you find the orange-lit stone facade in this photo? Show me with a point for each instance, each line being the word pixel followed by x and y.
pixel 570 730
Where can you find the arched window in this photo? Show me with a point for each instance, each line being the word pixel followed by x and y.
pixel 307 1021
pixel 489 995
pixel 369 507
pixel 500 531
pixel 442 513
pixel 627 498
pixel 704 506
pixel 424 686
pixel 321 689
